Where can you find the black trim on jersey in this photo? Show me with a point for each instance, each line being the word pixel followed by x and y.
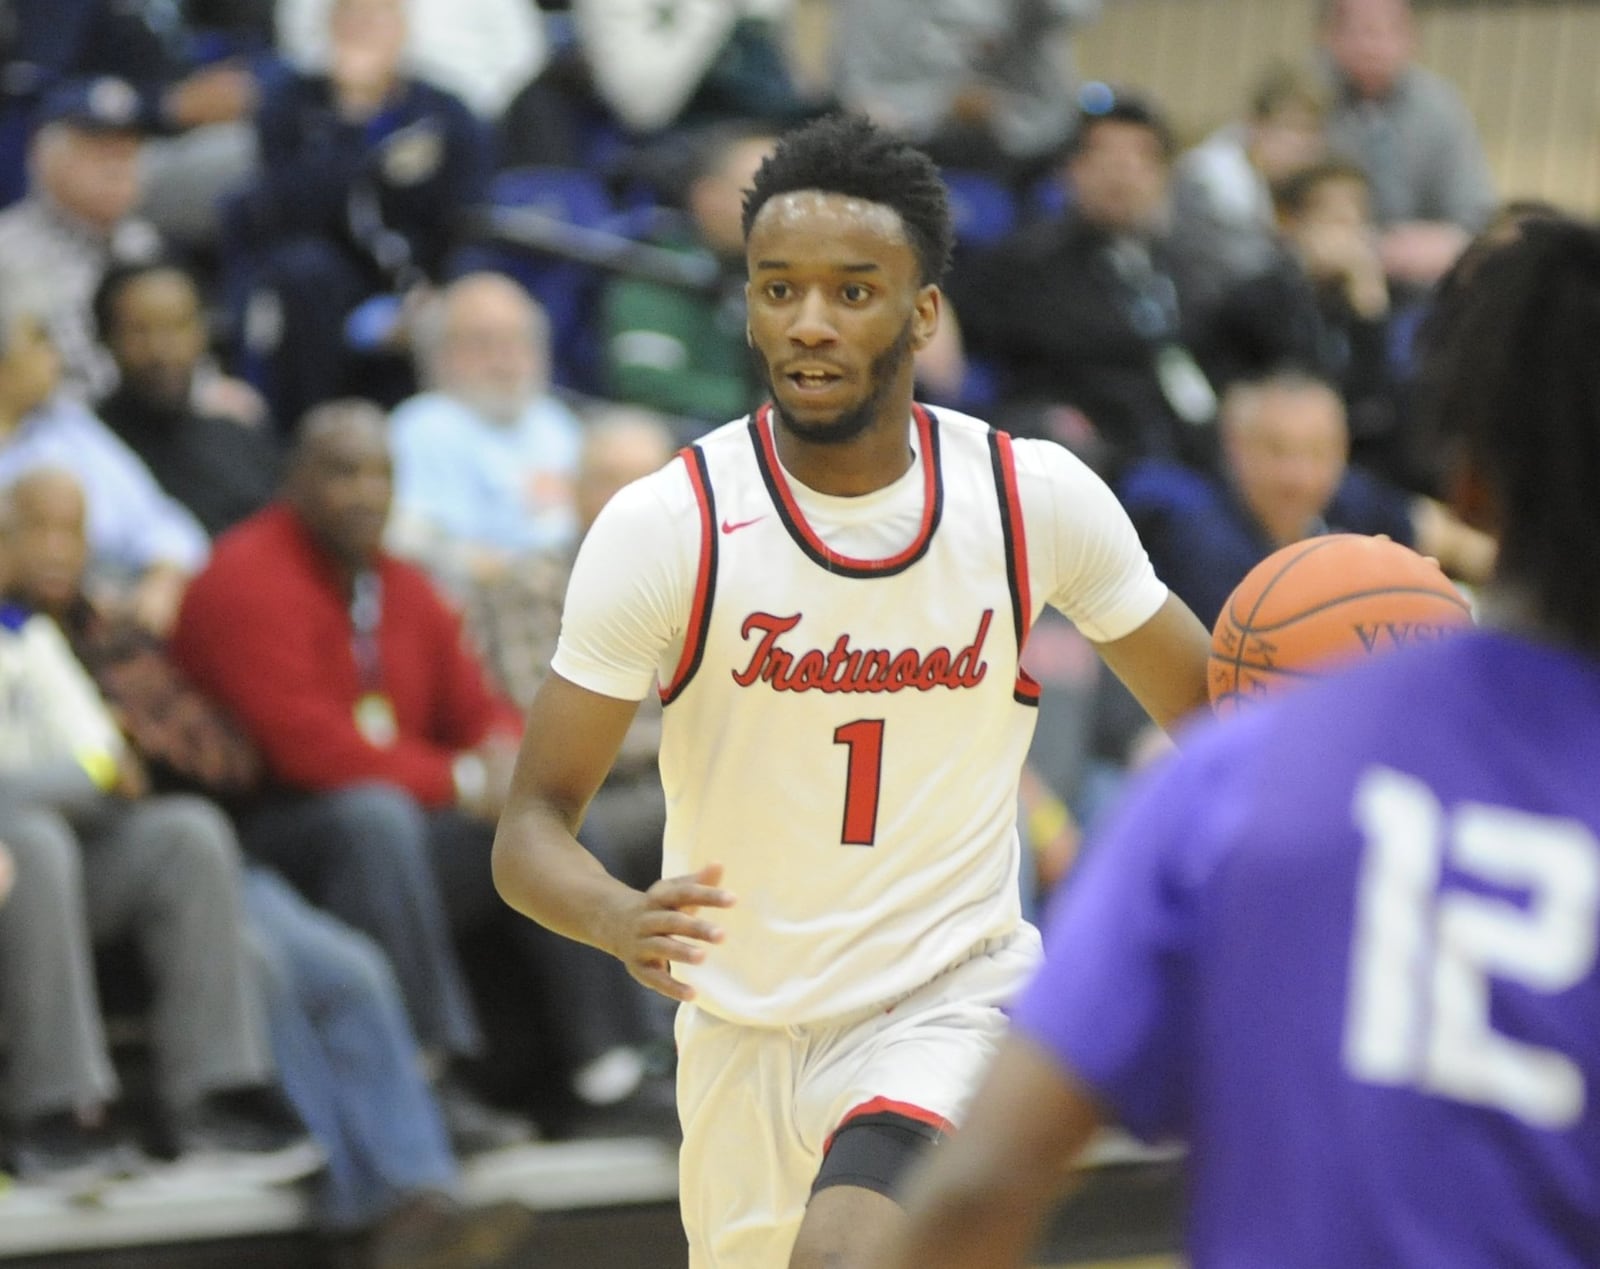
pixel 709 529
pixel 770 479
pixel 1009 543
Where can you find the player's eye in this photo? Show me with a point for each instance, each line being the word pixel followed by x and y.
pixel 855 293
pixel 778 291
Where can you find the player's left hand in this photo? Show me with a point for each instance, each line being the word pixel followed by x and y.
pixel 664 926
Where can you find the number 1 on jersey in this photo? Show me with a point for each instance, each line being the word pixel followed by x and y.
pixel 864 739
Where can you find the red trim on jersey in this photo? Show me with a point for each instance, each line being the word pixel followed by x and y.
pixel 779 481
pixel 1011 507
pixel 888 1106
pixel 705 576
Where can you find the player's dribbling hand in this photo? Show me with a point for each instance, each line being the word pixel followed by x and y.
pixel 664 926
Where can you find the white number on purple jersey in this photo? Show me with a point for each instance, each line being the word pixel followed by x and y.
pixel 1423 955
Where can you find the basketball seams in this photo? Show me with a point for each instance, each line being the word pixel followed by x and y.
pixel 1243 628
pixel 1353 597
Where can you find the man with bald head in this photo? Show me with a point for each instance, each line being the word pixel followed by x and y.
pixel 387 754
pixel 484 458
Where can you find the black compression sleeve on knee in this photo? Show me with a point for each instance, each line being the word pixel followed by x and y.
pixel 873 1152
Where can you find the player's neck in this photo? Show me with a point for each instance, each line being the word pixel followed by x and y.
pixel 874 460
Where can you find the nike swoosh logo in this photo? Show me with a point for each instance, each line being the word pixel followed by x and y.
pixel 735 526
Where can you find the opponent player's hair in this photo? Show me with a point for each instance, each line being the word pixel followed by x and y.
pixel 847 154
pixel 1515 382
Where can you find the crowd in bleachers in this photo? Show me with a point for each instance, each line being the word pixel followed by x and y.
pixel 325 328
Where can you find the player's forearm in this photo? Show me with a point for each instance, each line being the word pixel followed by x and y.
pixel 543 871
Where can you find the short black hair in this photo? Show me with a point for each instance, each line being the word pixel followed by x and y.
pixel 1510 378
pixel 1293 194
pixel 848 154
pixel 1101 103
pixel 124 274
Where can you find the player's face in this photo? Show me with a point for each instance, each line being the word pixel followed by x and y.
pixel 836 311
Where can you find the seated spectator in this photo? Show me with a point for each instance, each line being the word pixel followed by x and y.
pixel 483 51
pixel 389 753
pixel 144 544
pixel 99 860
pixel 345 1051
pixel 77 219
pixel 1224 224
pixel 150 318
pixel 680 352
pixel 1411 133
pixel 638 71
pixel 197 71
pixel 983 83
pixel 1084 311
pixel 1324 304
pixel 515 618
pixel 1285 477
pixel 484 459
pixel 365 175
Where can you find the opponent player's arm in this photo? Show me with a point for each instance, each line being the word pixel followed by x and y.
pixel 983 1196
pixel 1163 663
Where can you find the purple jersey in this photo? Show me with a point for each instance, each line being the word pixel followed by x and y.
pixel 1346 944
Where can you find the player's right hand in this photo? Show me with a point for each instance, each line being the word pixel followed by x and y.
pixel 663 926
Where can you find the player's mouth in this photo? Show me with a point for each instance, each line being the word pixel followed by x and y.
pixel 813 380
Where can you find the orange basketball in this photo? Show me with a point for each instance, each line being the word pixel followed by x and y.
pixel 1323 602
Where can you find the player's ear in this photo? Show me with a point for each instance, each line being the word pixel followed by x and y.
pixel 925 316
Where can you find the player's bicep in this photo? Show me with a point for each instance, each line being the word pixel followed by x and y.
pixel 571 739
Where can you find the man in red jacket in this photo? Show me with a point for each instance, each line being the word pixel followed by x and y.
pixel 387 753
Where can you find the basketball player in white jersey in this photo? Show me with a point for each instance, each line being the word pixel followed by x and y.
pixel 832 595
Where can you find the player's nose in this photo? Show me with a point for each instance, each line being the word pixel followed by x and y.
pixel 813 322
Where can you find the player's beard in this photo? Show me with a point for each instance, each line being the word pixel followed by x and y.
pixel 847 424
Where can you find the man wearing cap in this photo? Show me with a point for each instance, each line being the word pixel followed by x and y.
pixel 77 218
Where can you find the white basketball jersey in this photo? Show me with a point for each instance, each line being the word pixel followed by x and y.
pixel 846 735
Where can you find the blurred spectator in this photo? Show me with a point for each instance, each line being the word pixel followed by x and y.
pixel 685 353
pixel 99 861
pixel 1324 305
pixel 977 83
pixel 1285 477
pixel 516 616
pixel 484 459
pixel 1223 221
pixel 365 176
pixel 196 68
pixel 483 51
pixel 344 1048
pixel 1084 311
pixel 144 544
pixel 1412 134
pixel 390 753
pixel 78 218
pixel 640 68
pixel 150 318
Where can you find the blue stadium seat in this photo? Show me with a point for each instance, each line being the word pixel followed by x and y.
pixel 982 206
